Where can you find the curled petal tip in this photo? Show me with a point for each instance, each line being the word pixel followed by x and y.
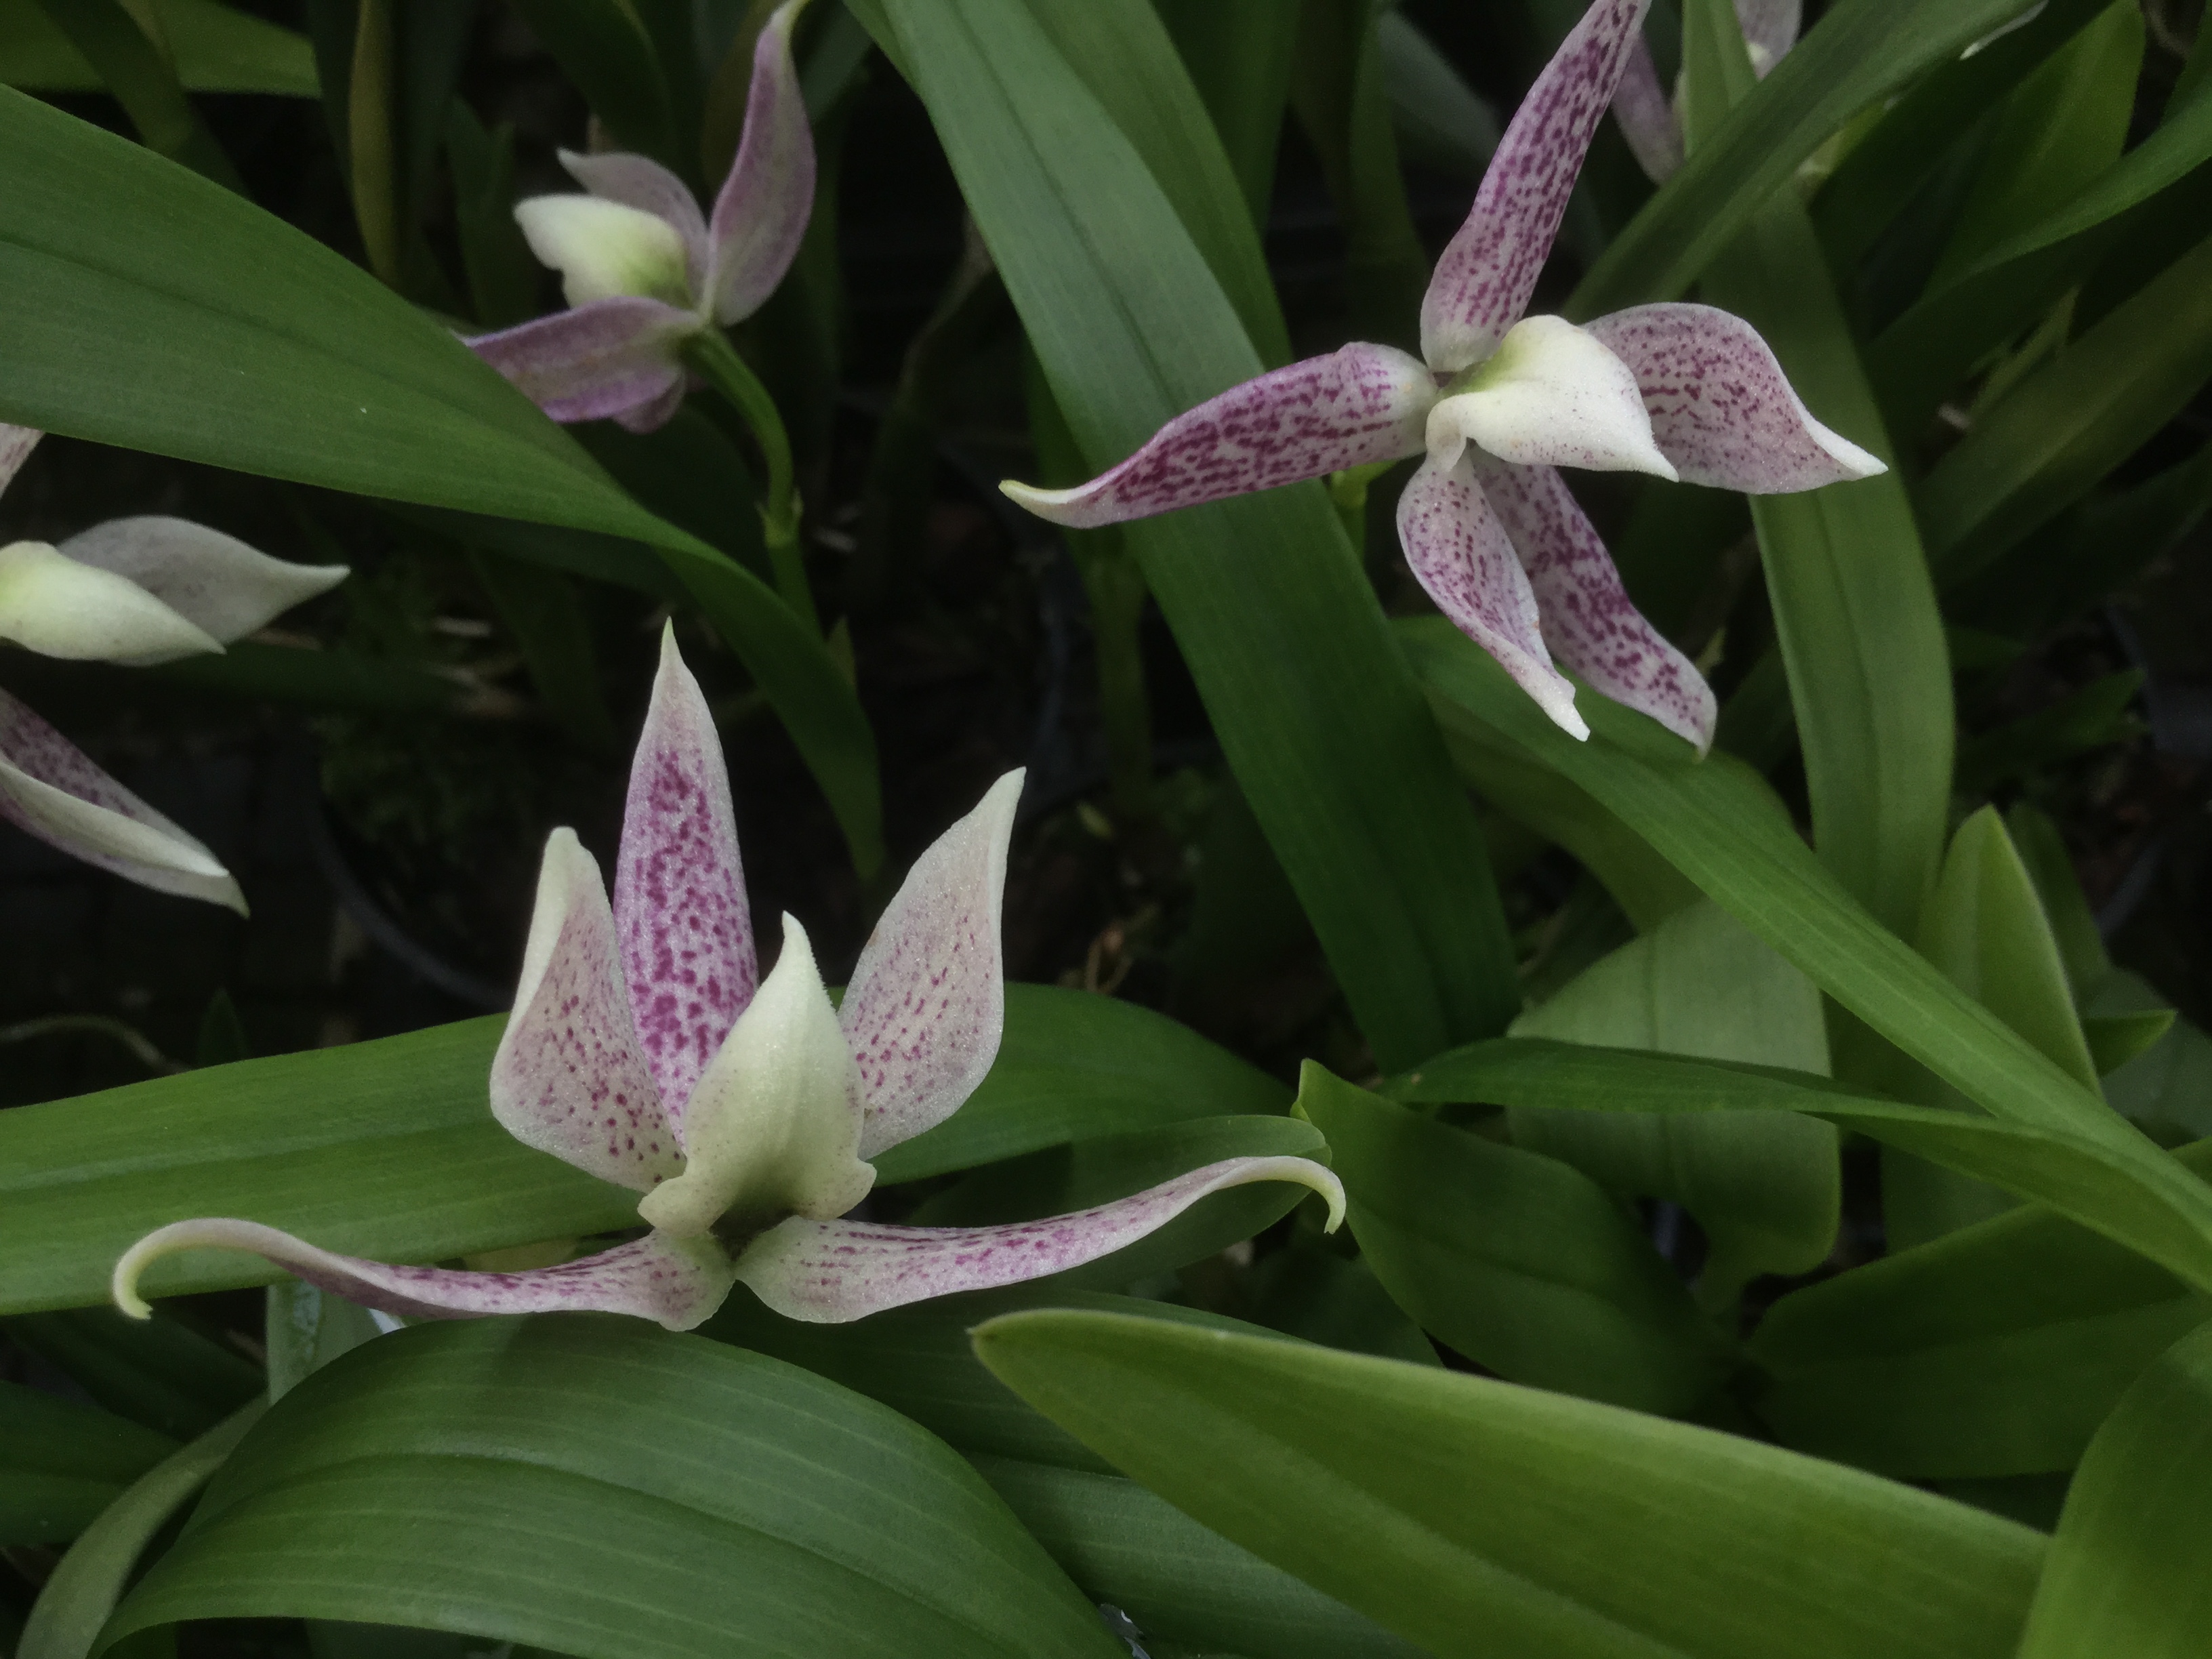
pixel 1856 463
pixel 1050 504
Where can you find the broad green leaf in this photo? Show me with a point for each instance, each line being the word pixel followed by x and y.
pixel 163 1374
pixel 1484 1521
pixel 2116 1039
pixel 2126 1569
pixel 1710 821
pixel 217 48
pixel 324 679
pixel 134 65
pixel 1855 611
pixel 249 346
pixel 1995 1351
pixel 2071 422
pixel 471 1477
pixel 1858 54
pixel 76 1601
pixel 1519 1261
pixel 1311 702
pixel 1766 1188
pixel 61 1462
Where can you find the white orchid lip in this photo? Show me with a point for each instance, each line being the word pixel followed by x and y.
pixel 606 250
pixel 1551 395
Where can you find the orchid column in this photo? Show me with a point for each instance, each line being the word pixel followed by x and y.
pixel 1498 401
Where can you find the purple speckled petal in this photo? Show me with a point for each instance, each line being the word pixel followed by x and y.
pixel 568 1079
pixel 687 931
pixel 1722 410
pixel 927 999
pixel 16 443
pixel 641 182
pixel 1646 115
pixel 1361 405
pixel 676 1282
pixel 50 789
pixel 596 361
pixel 214 581
pixel 1462 557
pixel 1588 622
pixel 759 217
pixel 1483 282
pixel 828 1271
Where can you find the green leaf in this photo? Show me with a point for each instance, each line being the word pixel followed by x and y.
pixel 215 48
pixel 249 346
pixel 1238 56
pixel 2116 1039
pixel 1484 1521
pixel 163 1374
pixel 1766 1189
pixel 2126 1568
pixel 1310 699
pixel 75 1602
pixel 604 49
pixel 135 68
pixel 473 1476
pixel 1519 1261
pixel 61 1463
pixel 2094 716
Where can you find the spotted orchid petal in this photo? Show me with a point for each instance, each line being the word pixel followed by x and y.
pixel 826 1273
pixel 606 250
pixel 678 1282
pixel 16 443
pixel 641 182
pixel 1463 559
pixel 1551 395
pixel 214 581
pixel 1354 407
pixel 50 789
pixel 568 1078
pixel 680 907
pixel 1482 284
pixel 773 1127
pixel 759 217
pixel 59 607
pixel 610 358
pixel 1722 410
pixel 1646 115
pixel 927 1000
pixel 1588 622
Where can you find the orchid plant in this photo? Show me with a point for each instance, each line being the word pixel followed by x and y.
pixel 1499 400
pixel 646 1048
pixel 136 591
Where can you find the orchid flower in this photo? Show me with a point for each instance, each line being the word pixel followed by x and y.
pixel 646 274
pixel 136 591
pixel 1489 528
pixel 645 1049
pixel 1647 115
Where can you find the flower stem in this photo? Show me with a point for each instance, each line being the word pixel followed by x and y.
pixel 718 362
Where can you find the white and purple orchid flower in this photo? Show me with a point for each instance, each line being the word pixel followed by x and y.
pixel 1647 114
pixel 136 591
pixel 645 1049
pixel 645 272
pixel 1489 527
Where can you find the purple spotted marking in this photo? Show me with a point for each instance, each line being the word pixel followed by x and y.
pixel 611 357
pixel 1722 410
pixel 1361 405
pixel 1587 619
pixel 1482 283
pixel 827 1272
pixel 680 906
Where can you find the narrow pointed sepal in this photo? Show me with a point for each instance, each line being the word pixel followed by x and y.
pixel 927 1000
pixel 1590 622
pixel 216 582
pixel 1461 556
pixel 641 182
pixel 50 788
pixel 680 906
pixel 1354 407
pixel 16 443
pixel 55 605
pixel 1551 395
pixel 827 1272
pixel 761 213
pixel 677 1283
pixel 1483 282
pixel 1647 116
pixel 773 1127
pixel 614 358
pixel 569 1077
pixel 606 249
pixel 1721 408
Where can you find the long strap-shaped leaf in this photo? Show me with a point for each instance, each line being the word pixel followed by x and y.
pixel 151 309
pixel 1321 721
